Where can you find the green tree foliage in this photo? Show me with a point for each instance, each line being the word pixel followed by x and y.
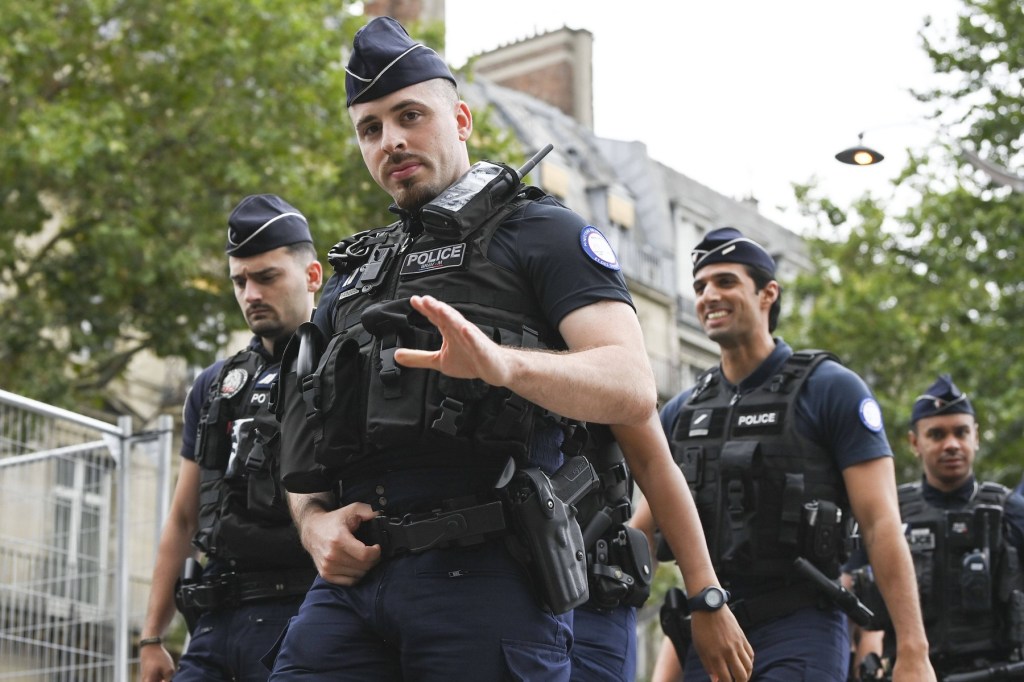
pixel 130 130
pixel 938 288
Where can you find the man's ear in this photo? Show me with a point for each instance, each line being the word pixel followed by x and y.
pixel 912 439
pixel 463 120
pixel 314 276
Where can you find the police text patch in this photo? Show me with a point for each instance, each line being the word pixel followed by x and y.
pixel 441 258
pixel 760 419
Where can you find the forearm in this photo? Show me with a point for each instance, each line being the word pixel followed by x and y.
pixel 175 546
pixel 604 376
pixel 304 507
pixel 682 530
pixel 608 385
pixel 894 572
pixel 667 498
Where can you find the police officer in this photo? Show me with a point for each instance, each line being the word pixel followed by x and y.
pixel 228 502
pixel 779 447
pixel 965 536
pixel 448 419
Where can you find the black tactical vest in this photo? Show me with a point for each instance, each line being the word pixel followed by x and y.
pixel 764 492
pixel 243 512
pixel 362 409
pixel 968 577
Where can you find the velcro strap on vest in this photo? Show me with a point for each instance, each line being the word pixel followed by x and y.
pixel 418 533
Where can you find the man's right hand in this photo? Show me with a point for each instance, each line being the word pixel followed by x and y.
pixel 156 663
pixel 329 538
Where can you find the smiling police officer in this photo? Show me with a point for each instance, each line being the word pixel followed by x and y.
pixel 228 502
pixel 779 447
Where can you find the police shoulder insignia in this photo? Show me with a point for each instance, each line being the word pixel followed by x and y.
pixel 233 382
pixel 871 414
pixel 596 246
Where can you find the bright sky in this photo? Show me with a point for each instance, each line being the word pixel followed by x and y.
pixel 746 97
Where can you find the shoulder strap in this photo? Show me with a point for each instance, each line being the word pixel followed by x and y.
pixel 707 385
pixel 994 493
pixel 796 369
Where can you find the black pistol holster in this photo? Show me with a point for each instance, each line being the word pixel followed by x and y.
pixel 546 535
pixel 675 622
pixel 191 574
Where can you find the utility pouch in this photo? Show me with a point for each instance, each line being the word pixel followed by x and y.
pixel 213 440
pixel 311 413
pixel 621 569
pixel 545 527
pixel 266 498
pixel 822 528
pixel 976 582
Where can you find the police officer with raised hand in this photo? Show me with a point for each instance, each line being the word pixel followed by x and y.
pixel 436 434
pixel 779 447
pixel 966 537
pixel 228 502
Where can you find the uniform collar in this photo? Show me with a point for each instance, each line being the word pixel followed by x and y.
pixel 411 222
pixel 768 368
pixel 256 345
pixel 951 500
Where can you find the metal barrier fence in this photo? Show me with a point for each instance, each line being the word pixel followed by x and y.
pixel 81 506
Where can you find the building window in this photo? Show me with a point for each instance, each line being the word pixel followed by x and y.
pixel 554 179
pixel 79 552
pixel 621 210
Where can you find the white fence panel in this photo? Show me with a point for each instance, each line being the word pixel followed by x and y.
pixel 81 504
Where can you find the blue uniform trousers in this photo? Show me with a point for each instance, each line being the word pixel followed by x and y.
pixel 462 613
pixel 228 643
pixel 808 645
pixel 604 644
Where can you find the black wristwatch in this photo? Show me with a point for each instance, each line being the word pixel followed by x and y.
pixel 711 598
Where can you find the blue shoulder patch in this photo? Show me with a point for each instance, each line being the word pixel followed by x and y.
pixel 596 246
pixel 871 415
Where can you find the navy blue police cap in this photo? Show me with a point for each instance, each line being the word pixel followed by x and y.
pixel 728 245
pixel 385 59
pixel 942 397
pixel 263 222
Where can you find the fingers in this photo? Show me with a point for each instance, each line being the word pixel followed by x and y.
pixel 420 359
pixel 342 559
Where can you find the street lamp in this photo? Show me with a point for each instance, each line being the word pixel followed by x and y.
pixel 859 155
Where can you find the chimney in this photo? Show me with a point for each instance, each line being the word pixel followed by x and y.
pixel 405 11
pixel 554 67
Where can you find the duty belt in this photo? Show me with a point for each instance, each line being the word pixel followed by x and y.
pixel 415 533
pixel 233 589
pixel 754 611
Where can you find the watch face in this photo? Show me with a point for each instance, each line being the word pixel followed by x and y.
pixel 713 598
